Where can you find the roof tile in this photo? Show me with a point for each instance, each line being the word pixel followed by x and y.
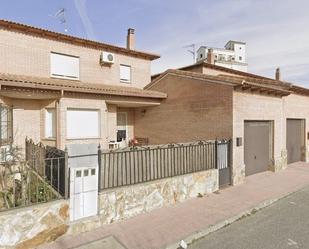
pixel 75 86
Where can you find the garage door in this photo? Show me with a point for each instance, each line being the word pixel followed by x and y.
pixel 257 146
pixel 295 138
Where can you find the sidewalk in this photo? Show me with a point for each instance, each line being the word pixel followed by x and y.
pixel 165 226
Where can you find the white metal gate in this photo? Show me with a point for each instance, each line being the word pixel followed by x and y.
pixel 84 192
pixel 83 163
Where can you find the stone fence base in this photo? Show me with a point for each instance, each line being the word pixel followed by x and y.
pixel 122 203
pixel 31 226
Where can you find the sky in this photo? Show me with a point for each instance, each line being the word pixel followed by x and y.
pixel 276 31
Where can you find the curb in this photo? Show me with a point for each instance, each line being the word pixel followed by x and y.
pixel 212 228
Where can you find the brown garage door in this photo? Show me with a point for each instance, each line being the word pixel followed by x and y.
pixel 295 139
pixel 257 146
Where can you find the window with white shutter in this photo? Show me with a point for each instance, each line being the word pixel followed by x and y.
pixel 82 123
pixel 64 66
pixel 125 73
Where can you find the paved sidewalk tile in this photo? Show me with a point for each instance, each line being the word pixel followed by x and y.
pixel 106 243
pixel 168 225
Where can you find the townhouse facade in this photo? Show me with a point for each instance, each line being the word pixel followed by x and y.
pixel 62 89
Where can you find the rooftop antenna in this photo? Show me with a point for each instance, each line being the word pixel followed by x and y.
pixel 191 51
pixel 60 15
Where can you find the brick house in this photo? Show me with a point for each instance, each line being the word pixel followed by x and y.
pixel 52 83
pixel 267 119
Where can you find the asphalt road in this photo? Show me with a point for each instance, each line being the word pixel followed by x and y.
pixel 283 225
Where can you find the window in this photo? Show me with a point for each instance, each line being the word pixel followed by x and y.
pixel 121 126
pixel 92 172
pixel 78 173
pixel 64 66
pixel 50 123
pixel 82 123
pixel 240 58
pixel 6 122
pixel 125 73
pixel 221 57
pixel 86 172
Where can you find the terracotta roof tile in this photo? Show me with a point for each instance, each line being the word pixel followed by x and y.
pixel 75 86
pixel 220 68
pixel 238 82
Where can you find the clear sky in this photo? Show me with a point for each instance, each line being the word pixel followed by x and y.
pixel 276 31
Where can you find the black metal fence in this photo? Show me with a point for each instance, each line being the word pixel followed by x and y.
pixel 22 186
pixel 36 178
pixel 50 163
pixel 142 164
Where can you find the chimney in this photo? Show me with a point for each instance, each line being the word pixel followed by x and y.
pixel 131 39
pixel 278 76
pixel 210 56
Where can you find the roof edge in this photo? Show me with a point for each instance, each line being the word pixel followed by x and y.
pixel 44 33
pixel 181 73
pixel 22 81
pixel 284 87
pixel 233 71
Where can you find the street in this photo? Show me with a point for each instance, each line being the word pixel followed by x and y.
pixel 283 225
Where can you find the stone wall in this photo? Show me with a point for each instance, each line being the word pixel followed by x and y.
pixel 29 227
pixel 280 163
pixel 122 203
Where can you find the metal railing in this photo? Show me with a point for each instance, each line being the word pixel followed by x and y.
pixel 22 186
pixel 142 164
pixel 40 176
pixel 50 163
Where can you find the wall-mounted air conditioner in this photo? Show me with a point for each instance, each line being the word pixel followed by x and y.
pixel 107 58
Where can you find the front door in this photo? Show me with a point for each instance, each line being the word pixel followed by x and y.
pixel 223 162
pixel 83 192
pixel 122 126
pixel 257 146
pixel 295 139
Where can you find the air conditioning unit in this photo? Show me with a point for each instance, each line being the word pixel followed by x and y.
pixel 107 58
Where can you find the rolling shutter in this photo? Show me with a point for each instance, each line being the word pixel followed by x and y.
pixel 82 124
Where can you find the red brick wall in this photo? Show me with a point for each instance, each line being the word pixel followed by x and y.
pixel 193 110
pixel 25 54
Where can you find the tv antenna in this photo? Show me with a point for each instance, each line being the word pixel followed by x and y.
pixel 60 15
pixel 191 50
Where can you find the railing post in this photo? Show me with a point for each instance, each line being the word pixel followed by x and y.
pixel 66 174
pixel 26 149
pixel 99 166
pixel 216 154
pixel 230 159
